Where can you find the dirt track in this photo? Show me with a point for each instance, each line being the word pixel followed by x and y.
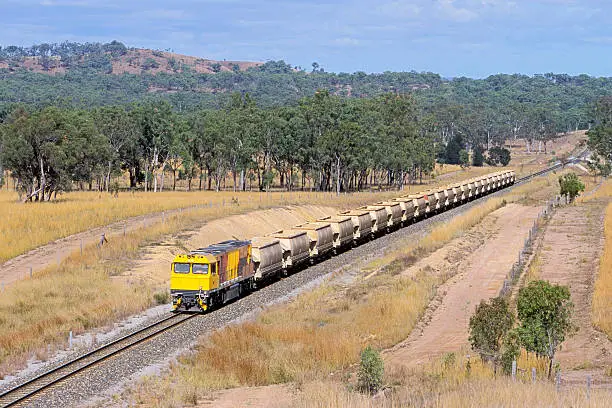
pixel 570 255
pixel 55 252
pixel 482 260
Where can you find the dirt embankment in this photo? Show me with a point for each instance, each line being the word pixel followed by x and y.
pixel 153 267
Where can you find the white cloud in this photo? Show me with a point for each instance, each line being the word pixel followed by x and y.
pixel 346 42
pixel 448 9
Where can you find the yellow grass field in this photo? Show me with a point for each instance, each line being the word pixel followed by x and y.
pixel 27 226
pixel 602 299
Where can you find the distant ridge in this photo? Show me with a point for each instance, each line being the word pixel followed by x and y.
pixel 115 57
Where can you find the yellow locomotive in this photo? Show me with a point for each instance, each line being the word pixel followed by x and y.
pixel 211 276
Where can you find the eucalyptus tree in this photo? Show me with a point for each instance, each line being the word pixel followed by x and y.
pixel 121 131
pixel 157 127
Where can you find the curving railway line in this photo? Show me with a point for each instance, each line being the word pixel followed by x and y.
pixel 22 393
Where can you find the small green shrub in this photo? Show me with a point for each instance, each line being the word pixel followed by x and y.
pixel 371 370
pixel 162 298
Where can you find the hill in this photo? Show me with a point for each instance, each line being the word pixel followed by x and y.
pixel 95 74
pixel 112 58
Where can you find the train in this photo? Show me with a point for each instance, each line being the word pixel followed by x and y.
pixel 209 277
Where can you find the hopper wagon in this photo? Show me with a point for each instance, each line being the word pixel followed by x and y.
pixel 362 224
pixel 342 229
pixel 379 216
pixel 296 247
pixel 267 256
pixel 410 209
pixel 321 238
pixel 395 213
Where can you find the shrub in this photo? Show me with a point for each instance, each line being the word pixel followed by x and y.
pixel 498 155
pixel 162 298
pixel 489 326
pixel 545 312
pixel 371 370
pixel 571 185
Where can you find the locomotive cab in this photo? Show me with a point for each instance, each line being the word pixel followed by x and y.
pixel 211 276
pixel 192 278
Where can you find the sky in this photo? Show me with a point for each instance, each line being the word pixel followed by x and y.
pixel 473 38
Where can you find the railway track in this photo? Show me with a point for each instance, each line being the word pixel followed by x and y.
pixel 20 394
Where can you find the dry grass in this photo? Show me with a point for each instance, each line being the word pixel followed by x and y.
pixel 27 226
pixel 498 392
pixel 450 383
pixel 602 191
pixel 319 333
pixel 602 299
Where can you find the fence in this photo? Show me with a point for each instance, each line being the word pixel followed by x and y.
pixel 526 251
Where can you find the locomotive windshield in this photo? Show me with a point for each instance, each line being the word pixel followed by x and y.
pixel 200 268
pixel 181 268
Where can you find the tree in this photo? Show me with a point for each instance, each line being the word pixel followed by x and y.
pixel 478 157
pixel 120 129
pixel 371 370
pixel 216 67
pixel 453 149
pixel 570 185
pixel 498 155
pixel 600 136
pixel 489 326
pixel 464 158
pixel 545 313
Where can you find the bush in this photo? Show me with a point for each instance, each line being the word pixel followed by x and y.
pixel 371 370
pixel 149 63
pixel 489 327
pixel 464 158
pixel 498 155
pixel 571 185
pixel 161 298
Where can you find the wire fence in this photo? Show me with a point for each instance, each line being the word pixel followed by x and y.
pixel 527 250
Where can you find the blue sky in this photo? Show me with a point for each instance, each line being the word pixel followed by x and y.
pixel 474 38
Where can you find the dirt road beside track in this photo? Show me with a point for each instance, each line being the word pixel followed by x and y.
pixel 480 268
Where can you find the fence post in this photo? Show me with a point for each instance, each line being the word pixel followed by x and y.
pixel 70 340
pixel 513 370
pixel 558 381
pixel 533 375
pixel 588 394
pixel 30 272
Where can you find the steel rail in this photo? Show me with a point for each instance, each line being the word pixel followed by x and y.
pixel 25 391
